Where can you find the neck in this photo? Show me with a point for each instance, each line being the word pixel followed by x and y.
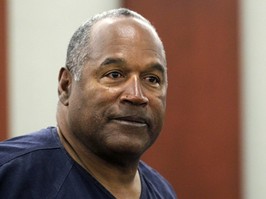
pixel 120 180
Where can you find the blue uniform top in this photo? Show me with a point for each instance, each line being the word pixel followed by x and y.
pixel 37 166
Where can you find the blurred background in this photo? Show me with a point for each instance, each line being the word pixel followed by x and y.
pixel 213 145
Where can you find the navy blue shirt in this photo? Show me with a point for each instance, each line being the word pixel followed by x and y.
pixel 37 166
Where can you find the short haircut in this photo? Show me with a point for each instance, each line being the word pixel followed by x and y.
pixel 79 45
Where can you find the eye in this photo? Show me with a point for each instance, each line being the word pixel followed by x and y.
pixel 114 75
pixel 154 80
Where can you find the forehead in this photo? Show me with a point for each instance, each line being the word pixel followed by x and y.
pixel 125 33
pixel 127 26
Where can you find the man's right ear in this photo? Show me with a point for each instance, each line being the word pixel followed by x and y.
pixel 64 85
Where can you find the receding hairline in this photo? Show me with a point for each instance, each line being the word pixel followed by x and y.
pixel 79 46
pixel 128 21
pixel 115 14
pixel 114 20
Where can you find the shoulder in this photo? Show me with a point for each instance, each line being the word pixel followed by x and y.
pixel 30 159
pixel 155 181
pixel 20 146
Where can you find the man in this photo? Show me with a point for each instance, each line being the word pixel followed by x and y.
pixel 112 98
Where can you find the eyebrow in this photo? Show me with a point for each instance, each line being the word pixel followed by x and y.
pixel 122 62
pixel 110 61
pixel 158 66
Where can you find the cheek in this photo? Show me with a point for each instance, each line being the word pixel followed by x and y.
pixel 94 102
pixel 158 108
pixel 103 98
pixel 158 103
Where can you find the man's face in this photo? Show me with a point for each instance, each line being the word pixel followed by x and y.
pixel 118 106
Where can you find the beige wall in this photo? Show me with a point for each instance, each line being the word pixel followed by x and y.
pixel 253 38
pixel 39 32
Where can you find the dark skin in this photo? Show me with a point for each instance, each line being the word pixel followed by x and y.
pixel 115 112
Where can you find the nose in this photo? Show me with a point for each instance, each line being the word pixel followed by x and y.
pixel 133 93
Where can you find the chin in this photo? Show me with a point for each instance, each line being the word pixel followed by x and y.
pixel 125 152
pixel 129 148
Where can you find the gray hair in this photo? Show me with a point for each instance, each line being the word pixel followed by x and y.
pixel 79 48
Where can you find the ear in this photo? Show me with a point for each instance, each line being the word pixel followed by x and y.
pixel 64 85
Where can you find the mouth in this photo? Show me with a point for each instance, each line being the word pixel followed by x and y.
pixel 131 121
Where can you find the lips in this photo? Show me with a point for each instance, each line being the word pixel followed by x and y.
pixel 131 120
